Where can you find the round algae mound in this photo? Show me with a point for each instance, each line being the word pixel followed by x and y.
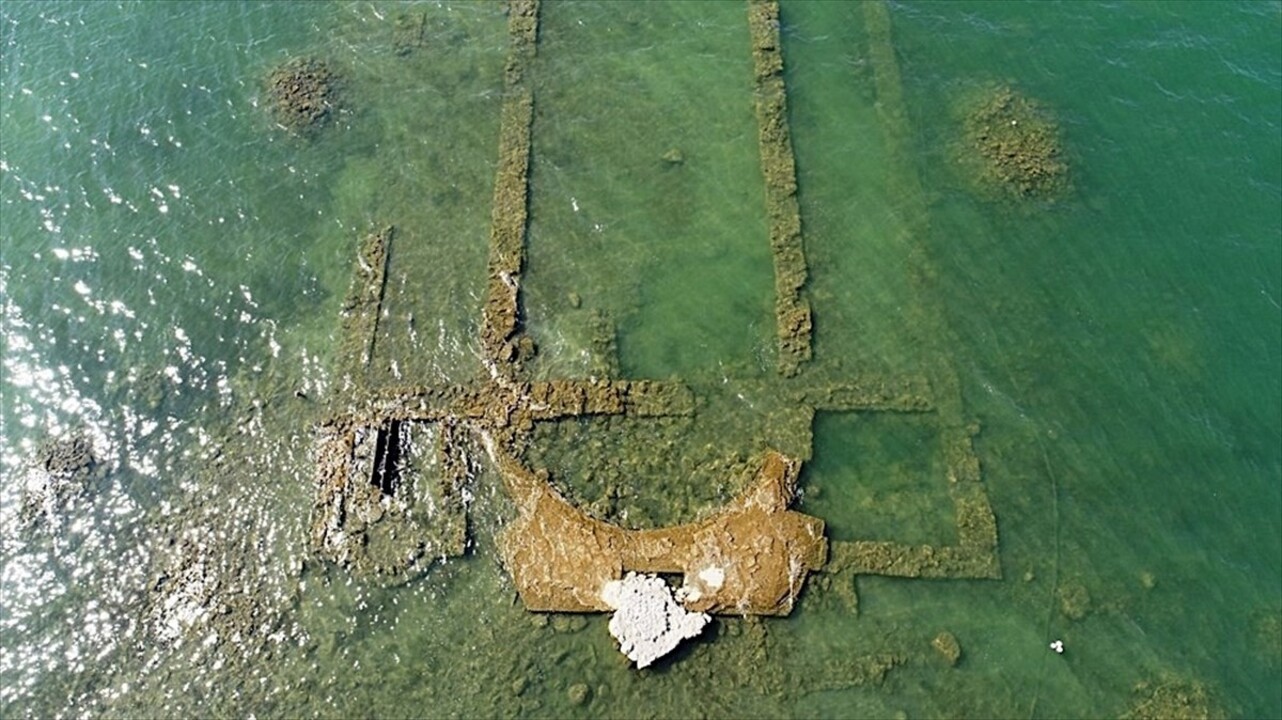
pixel 61 470
pixel 1012 144
pixel 1172 698
pixel 302 94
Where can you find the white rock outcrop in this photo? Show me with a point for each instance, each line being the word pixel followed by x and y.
pixel 647 621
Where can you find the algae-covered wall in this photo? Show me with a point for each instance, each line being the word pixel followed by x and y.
pixel 557 291
pixel 559 556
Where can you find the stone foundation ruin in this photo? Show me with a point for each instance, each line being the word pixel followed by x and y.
pixel 394 460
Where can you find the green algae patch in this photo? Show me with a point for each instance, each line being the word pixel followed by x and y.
pixel 409 32
pixel 1268 635
pixel 1173 698
pixel 1074 600
pixel 303 95
pixel 1012 146
pixel 62 470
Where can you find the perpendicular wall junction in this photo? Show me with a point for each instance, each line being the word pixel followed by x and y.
pixel 558 555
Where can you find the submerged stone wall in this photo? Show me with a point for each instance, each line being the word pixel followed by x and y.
pixel 364 304
pixel 779 169
pixel 751 556
pixel 976 553
pixel 501 312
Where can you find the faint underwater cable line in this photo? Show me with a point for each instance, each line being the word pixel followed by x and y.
pixel 1050 472
pixel 1050 605
pixel 1266 294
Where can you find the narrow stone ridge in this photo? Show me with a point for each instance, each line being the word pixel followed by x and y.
pixel 779 168
pixel 501 314
pixel 364 302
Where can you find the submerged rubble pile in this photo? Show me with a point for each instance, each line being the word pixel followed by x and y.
pixel 1017 144
pixel 216 603
pixel 394 460
pixel 647 621
pixel 396 499
pixel 1172 698
pixel 61 470
pixel 205 587
pixel 303 95
pixel 69 457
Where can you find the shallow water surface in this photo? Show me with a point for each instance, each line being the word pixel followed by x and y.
pixel 173 266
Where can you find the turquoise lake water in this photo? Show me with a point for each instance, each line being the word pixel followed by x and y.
pixel 173 265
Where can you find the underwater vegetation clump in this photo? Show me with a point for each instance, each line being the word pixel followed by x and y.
pixel 1171 697
pixel 61 469
pixel 1014 144
pixel 303 95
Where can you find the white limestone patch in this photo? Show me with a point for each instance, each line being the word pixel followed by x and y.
pixel 714 577
pixel 647 621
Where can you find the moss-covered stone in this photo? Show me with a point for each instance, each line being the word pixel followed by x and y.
pixel 1074 600
pixel 578 694
pixel 779 170
pixel 1015 144
pixel 1173 698
pixel 409 32
pixel 62 469
pixel 946 645
pixel 303 95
